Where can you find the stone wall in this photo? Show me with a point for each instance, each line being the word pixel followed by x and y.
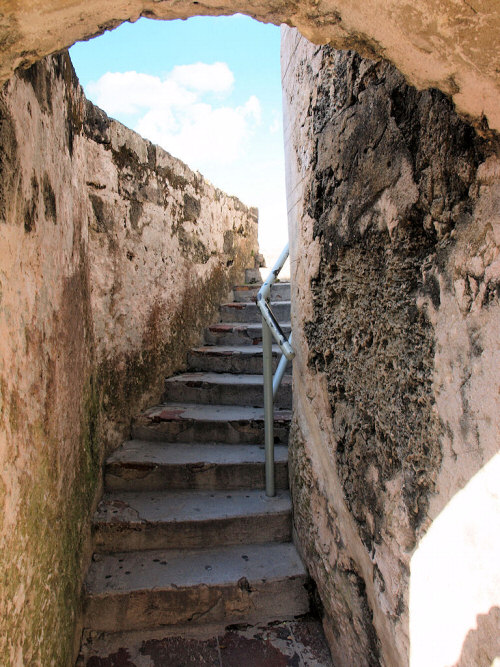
pixel 113 256
pixel 394 217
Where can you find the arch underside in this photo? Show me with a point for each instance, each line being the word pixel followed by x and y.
pixel 451 46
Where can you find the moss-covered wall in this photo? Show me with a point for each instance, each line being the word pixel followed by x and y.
pixel 113 256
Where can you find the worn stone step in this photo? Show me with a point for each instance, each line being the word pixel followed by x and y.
pixel 279 292
pixel 249 312
pixel 245 359
pixel 130 521
pixel 185 422
pixel 238 333
pixel 224 389
pixel 251 583
pixel 253 277
pixel 157 466
pixel 240 645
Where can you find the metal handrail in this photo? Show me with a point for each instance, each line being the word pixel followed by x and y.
pixel 271 329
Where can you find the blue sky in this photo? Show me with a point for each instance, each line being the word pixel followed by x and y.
pixel 209 91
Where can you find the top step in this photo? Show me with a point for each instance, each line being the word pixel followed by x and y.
pixel 279 292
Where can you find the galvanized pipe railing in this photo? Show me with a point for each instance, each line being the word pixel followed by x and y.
pixel 271 329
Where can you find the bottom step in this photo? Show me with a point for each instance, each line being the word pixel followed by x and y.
pixel 245 583
pixel 300 642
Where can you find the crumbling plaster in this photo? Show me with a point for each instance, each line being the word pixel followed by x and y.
pixel 451 45
pixel 113 257
pixel 394 219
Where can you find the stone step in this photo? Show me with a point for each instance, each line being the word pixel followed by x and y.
pixel 246 359
pixel 253 277
pixel 224 389
pixel 238 333
pixel 279 292
pixel 251 583
pixel 249 312
pixel 158 466
pixel 185 422
pixel 132 521
pixel 260 645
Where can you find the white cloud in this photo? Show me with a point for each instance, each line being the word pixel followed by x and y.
pixel 203 136
pixel 174 113
pixel 276 125
pixel 251 109
pixel 131 92
pixel 203 77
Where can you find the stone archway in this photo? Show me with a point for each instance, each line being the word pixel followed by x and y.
pixel 430 48
pixel 453 47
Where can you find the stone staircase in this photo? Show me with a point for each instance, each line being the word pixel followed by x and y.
pixel 185 533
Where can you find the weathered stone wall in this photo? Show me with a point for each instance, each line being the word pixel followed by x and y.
pixel 394 216
pixel 113 256
pixel 451 44
pixel 165 248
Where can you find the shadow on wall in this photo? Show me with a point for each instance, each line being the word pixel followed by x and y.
pixel 481 646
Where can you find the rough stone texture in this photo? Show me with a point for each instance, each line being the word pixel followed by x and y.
pixel 112 260
pixel 452 45
pixel 394 222
pixel 298 643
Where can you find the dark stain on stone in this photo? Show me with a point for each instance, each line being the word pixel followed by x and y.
pixel 49 199
pixel 40 79
pixel 136 209
pixel 371 340
pixel 492 293
pixel 378 578
pixel 181 651
pixel 475 342
pixel 74 97
pixel 119 659
pixel 31 206
pixel 126 159
pixel 192 208
pixel 237 650
pixel 177 181
pixel 309 633
pixel 373 656
pixel 96 124
pixel 9 162
pixel 228 243
pixel 431 288
pixel 191 246
pixel 151 150
pixel 99 212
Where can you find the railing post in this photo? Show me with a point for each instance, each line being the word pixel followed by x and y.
pixel 267 351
